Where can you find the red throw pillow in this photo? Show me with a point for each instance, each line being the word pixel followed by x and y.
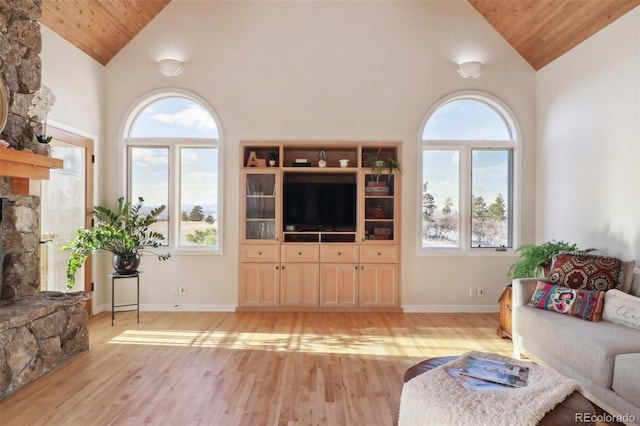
pixel 587 271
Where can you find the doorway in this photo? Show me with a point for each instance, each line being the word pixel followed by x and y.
pixel 66 206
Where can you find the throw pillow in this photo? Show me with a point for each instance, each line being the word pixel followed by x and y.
pixel 621 308
pixel 585 304
pixel 587 271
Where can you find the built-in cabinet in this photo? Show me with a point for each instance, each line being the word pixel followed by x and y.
pixel 296 266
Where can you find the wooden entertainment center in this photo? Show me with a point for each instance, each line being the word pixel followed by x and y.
pixel 304 249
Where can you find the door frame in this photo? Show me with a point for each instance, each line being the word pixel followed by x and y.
pixel 86 143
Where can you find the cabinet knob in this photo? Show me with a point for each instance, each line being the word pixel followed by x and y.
pixel 299 253
pixel 282 266
pixel 355 267
pixel 379 254
pixel 339 253
pixel 259 253
pixel 277 267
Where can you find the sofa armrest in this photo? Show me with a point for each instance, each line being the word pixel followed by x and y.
pixel 523 289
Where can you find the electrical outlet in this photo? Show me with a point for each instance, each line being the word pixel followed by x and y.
pixel 473 291
pixel 480 291
pixel 182 290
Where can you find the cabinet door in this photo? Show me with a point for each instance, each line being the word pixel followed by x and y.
pixel 338 284
pixel 379 206
pixel 259 284
pixel 379 285
pixel 299 284
pixel 260 210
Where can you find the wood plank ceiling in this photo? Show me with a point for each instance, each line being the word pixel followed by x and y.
pixel 100 28
pixel 540 30
pixel 543 30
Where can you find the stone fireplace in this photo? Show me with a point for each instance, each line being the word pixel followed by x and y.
pixel 38 330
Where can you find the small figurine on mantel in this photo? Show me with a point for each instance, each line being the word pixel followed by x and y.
pixel 322 159
pixel 273 158
pixel 253 159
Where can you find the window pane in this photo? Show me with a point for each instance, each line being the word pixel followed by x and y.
pixel 174 117
pixel 149 179
pixel 466 119
pixel 490 198
pixel 199 197
pixel 440 198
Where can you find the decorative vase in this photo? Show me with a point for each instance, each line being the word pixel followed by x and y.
pixel 272 163
pixel 322 163
pixel 126 264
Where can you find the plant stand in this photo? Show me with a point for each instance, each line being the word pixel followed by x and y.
pixel 114 277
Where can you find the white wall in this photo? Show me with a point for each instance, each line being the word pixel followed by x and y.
pixel 588 124
pixel 359 71
pixel 78 84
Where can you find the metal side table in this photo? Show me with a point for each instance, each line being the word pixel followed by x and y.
pixel 116 276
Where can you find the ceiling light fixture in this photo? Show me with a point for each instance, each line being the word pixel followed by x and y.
pixel 170 67
pixel 470 69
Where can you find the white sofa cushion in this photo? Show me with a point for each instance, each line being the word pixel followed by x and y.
pixel 626 377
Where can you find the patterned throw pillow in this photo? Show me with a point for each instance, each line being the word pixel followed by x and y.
pixel 587 271
pixel 583 304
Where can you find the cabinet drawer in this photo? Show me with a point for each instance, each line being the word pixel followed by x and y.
pixel 379 253
pixel 339 253
pixel 259 253
pixel 300 253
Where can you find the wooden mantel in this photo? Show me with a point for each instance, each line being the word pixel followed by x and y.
pixel 23 166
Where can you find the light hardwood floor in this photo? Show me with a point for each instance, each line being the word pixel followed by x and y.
pixel 246 368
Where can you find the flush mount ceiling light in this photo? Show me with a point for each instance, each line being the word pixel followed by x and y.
pixel 470 69
pixel 170 67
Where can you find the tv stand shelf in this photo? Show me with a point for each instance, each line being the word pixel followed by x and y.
pixel 319 237
pixel 290 263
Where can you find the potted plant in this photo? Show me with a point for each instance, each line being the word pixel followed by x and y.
pixel 322 159
pixel 379 165
pixel 535 260
pixel 124 232
pixel 272 157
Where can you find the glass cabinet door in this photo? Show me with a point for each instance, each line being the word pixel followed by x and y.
pixel 261 210
pixel 379 208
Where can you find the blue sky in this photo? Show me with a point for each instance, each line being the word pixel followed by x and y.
pixel 174 117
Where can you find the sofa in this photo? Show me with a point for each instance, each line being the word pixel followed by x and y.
pixel 603 355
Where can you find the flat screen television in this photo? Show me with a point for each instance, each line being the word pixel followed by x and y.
pixel 311 206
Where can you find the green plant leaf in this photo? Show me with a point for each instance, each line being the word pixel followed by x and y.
pixel 123 231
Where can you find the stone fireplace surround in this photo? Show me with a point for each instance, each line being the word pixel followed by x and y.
pixel 38 330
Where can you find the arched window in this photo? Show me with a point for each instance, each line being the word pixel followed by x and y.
pixel 468 149
pixel 176 133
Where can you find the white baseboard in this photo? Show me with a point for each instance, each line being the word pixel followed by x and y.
pixel 176 308
pixel 232 308
pixel 440 309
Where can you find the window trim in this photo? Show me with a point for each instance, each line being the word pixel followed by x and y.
pixel 174 144
pixel 465 148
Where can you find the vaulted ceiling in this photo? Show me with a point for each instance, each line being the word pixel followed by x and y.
pixel 540 30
